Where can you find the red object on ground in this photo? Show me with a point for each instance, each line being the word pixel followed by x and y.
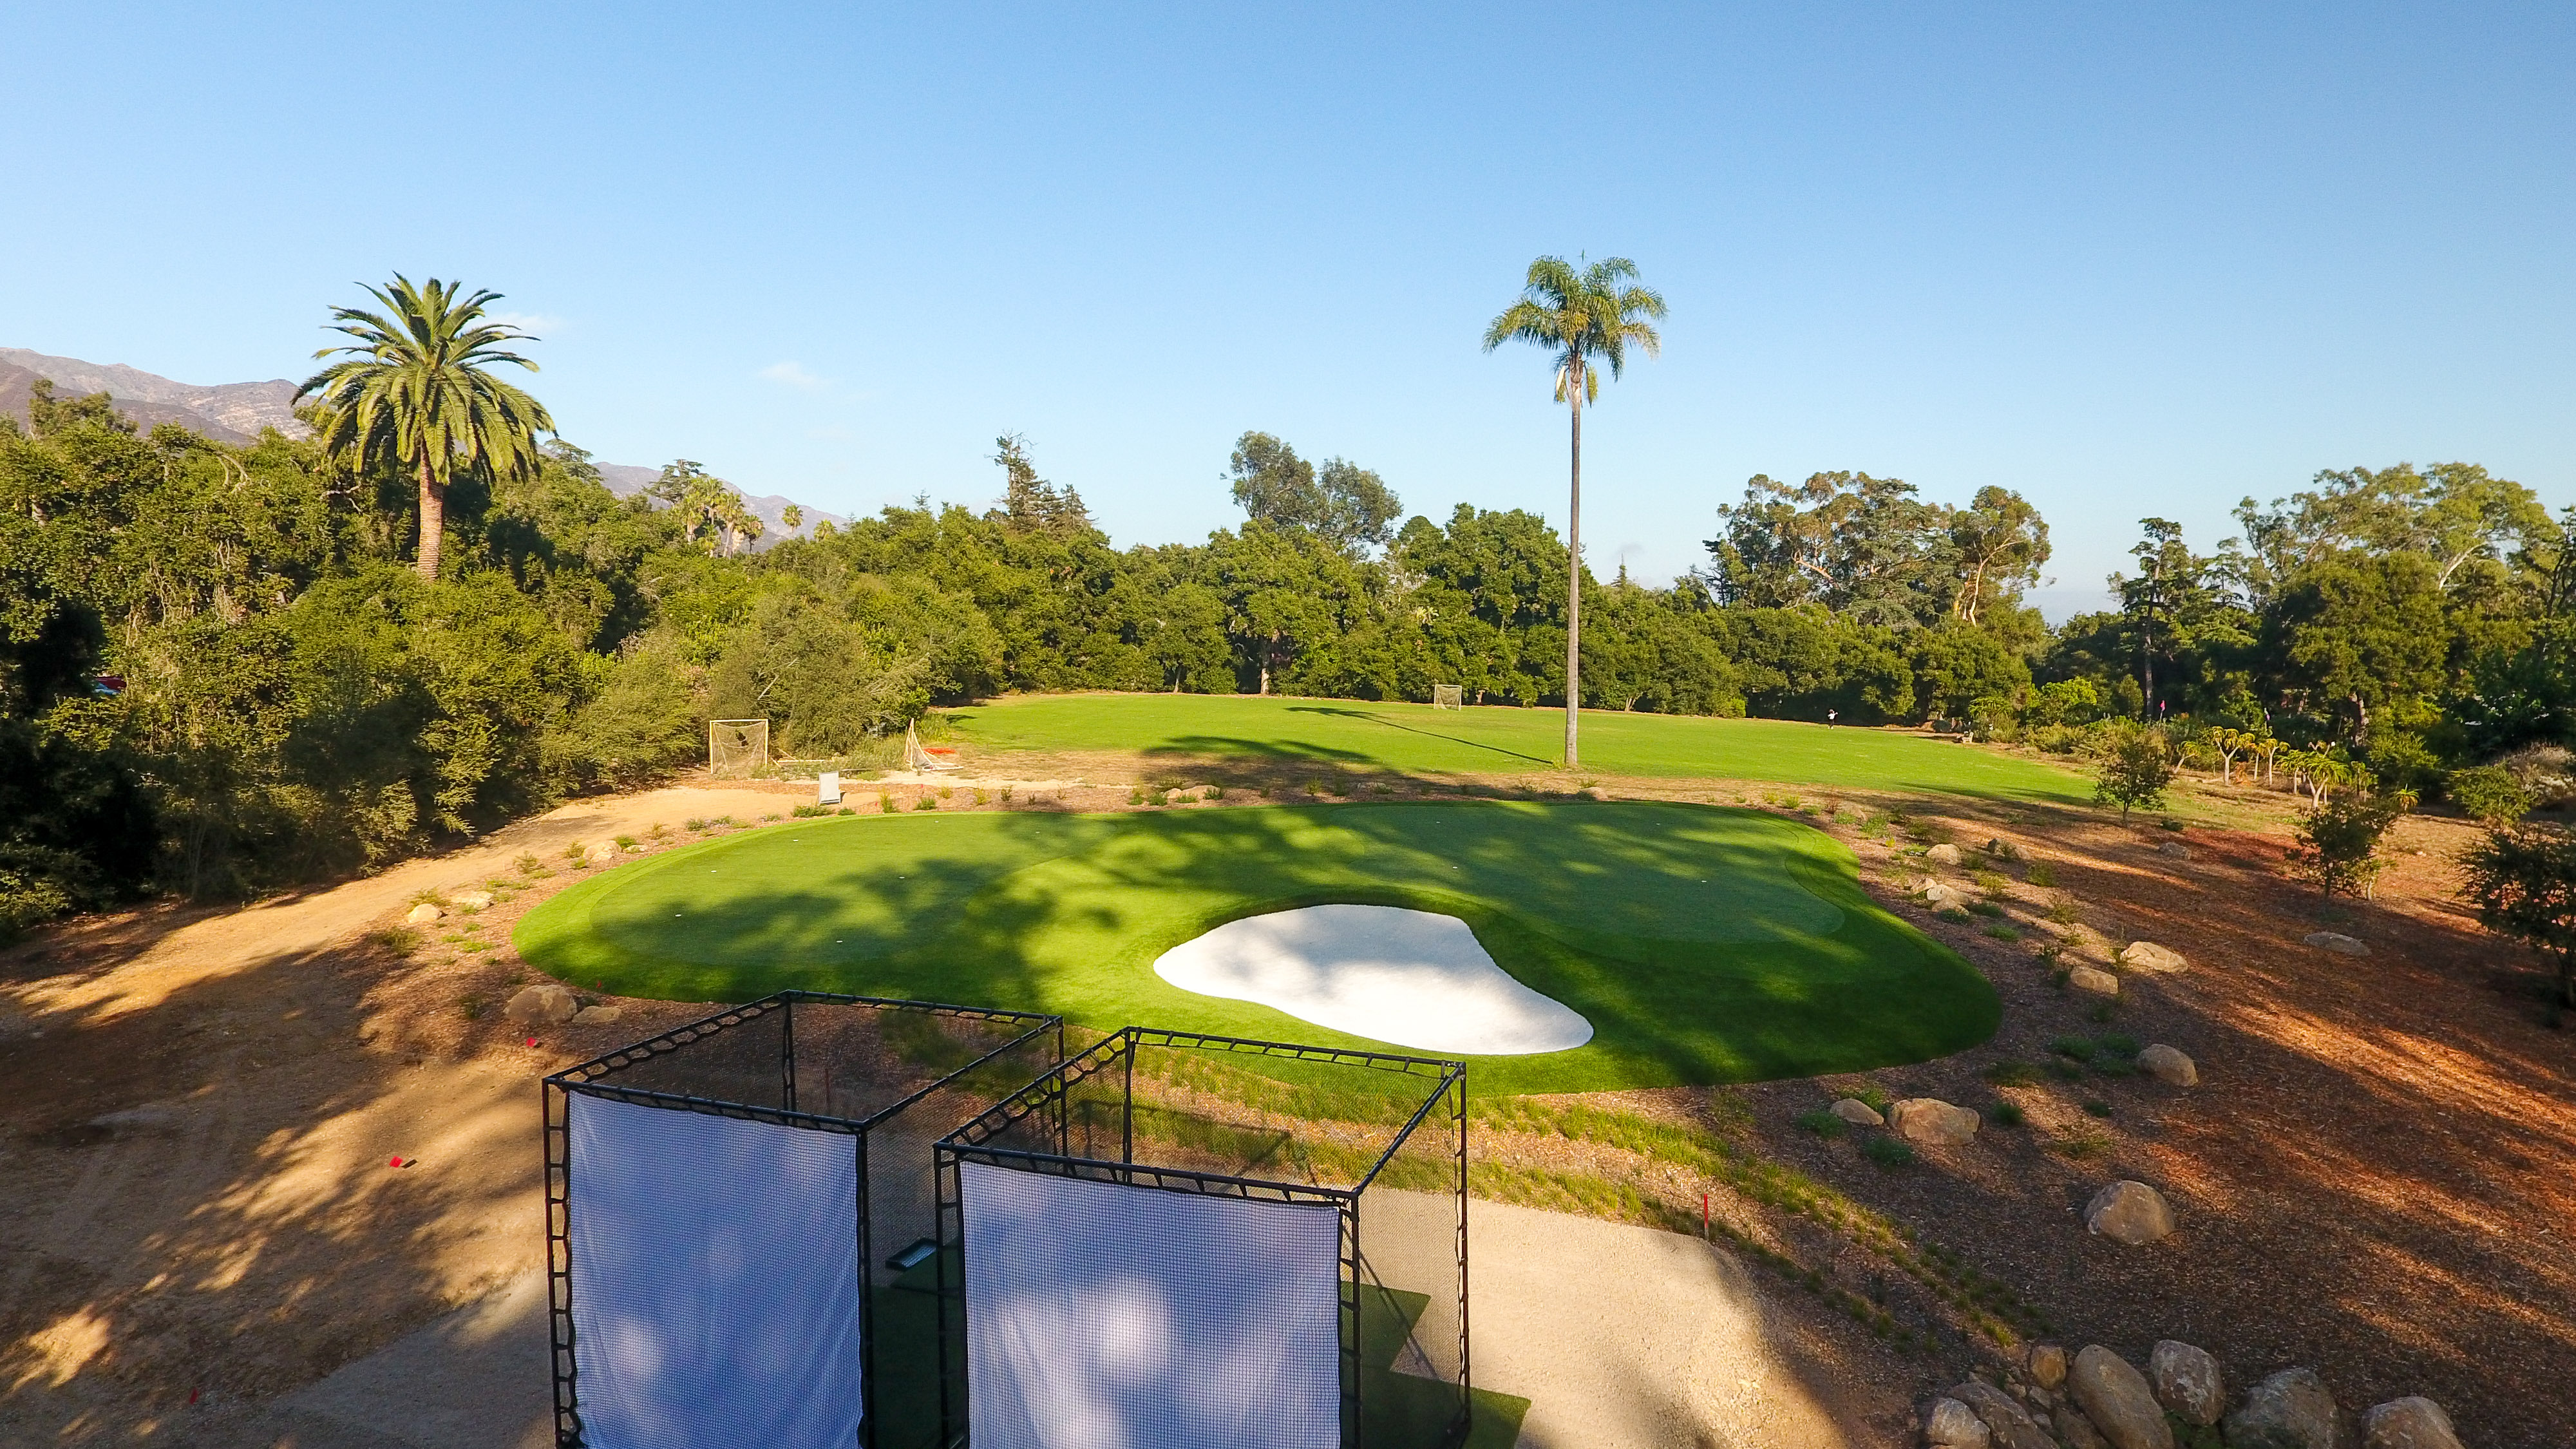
pixel 393 1162
pixel 935 750
pixel 532 1041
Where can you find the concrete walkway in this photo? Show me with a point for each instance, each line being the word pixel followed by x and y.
pixel 1620 1337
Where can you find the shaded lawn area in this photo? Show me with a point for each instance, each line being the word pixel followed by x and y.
pixel 1704 944
pixel 1416 738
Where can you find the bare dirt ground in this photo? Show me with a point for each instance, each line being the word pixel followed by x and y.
pixel 199 1219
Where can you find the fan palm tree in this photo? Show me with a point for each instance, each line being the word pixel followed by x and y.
pixel 415 391
pixel 1586 318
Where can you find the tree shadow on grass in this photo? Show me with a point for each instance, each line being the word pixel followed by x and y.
pixel 1371 717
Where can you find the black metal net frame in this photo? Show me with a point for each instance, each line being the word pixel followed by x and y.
pixel 1046 1100
pixel 591 1078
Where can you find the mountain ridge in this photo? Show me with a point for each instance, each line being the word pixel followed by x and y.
pixel 235 412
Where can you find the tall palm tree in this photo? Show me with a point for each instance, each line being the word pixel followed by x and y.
pixel 415 391
pixel 1581 316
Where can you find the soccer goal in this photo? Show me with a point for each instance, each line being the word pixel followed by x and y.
pixel 740 1216
pixel 1138 1248
pixel 737 749
pixel 1448 696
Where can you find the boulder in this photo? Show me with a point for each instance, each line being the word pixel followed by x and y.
pixel 2011 1424
pixel 2187 1382
pixel 2148 956
pixel 2289 1410
pixel 2169 1066
pixel 2335 941
pixel 1858 1113
pixel 423 914
pixel 2047 1365
pixel 471 900
pixel 2118 1401
pixel 543 1005
pixel 2002 849
pixel 1937 895
pixel 1942 855
pixel 2093 979
pixel 2129 1212
pixel 2412 1422
pixel 1953 1425
pixel 597 1015
pixel 2076 1430
pixel 2174 848
pixel 1929 1119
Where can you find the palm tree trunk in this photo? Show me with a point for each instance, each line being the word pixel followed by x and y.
pixel 1574 576
pixel 433 521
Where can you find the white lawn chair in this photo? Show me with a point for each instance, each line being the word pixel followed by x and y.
pixel 827 789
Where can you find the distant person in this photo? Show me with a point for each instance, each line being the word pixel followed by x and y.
pixel 1829 719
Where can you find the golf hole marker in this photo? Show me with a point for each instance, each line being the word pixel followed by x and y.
pixel 1411 978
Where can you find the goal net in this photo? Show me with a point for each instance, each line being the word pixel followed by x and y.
pixel 1448 696
pixel 737 749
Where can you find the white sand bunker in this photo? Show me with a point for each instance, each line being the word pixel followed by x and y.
pixel 1407 977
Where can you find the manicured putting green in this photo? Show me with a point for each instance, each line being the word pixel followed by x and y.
pixel 1704 944
pixel 1495 739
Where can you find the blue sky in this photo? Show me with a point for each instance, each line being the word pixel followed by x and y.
pixel 2127 260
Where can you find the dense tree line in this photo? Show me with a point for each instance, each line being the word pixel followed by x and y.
pixel 220 668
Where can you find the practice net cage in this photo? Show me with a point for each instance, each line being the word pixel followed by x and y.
pixel 1172 1239
pixel 741 1219
pixel 1448 696
pixel 737 749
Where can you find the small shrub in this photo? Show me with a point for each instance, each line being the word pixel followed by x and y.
pixel 2064 1070
pixel 1952 914
pixel 885 803
pixel 659 831
pixel 1985 908
pixel 2012 1074
pixel 1887 1151
pixel 2097 1108
pixel 2489 795
pixel 1823 1123
pixel 1875 1097
pixel 2002 932
pixel 425 898
pixel 1136 795
pixel 2115 1066
pixel 769 819
pixel 2006 1114
pixel 846 810
pixel 2064 911
pixel 982 799
pixel 627 842
pixel 1006 794
pixel 401 940
pixel 528 865
pixel 2081 1142
pixel 2171 823
pixel 926 802
pixel 2103 1012
pixel 2119 1043
pixel 1992 882
pixel 2073 1048
pixel 694 823
pixel 945 792
pixel 2059 977
pixel 472 1005
pixel 808 812
pixel 2040 875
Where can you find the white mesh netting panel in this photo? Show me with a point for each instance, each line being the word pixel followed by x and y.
pixel 1100 1316
pixel 715 1296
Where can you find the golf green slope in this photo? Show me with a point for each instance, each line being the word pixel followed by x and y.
pixel 1416 738
pixel 1704 944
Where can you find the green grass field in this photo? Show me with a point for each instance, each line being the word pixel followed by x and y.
pixel 1416 738
pixel 1705 944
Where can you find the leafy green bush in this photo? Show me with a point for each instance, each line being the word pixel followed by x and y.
pixel 2006 1114
pixel 2040 874
pixel 2073 1048
pixel 2489 795
pixel 2012 1074
pixel 1823 1123
pixel 1887 1151
pixel 2002 932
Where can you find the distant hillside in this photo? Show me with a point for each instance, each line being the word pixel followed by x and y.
pixel 231 412
pixel 234 412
